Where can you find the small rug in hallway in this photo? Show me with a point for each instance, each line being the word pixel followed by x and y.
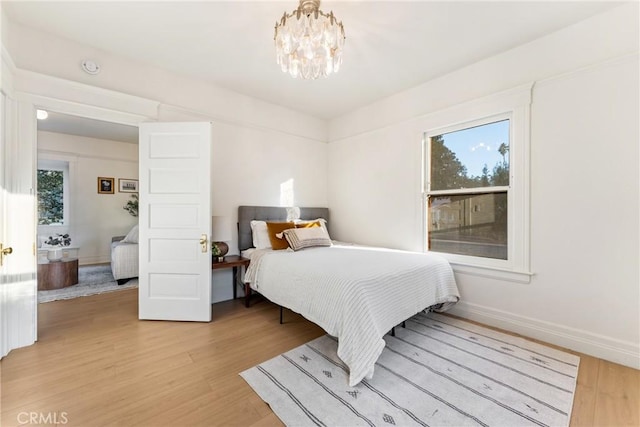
pixel 437 371
pixel 92 280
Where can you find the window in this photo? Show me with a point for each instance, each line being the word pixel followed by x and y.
pixel 52 192
pixel 476 185
pixel 468 190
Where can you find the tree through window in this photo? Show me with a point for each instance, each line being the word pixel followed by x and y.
pixel 50 197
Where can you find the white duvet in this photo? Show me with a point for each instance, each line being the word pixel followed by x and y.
pixel 354 293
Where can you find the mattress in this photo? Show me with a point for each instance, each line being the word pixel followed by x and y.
pixel 354 293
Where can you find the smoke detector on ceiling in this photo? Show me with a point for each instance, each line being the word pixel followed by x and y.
pixel 90 67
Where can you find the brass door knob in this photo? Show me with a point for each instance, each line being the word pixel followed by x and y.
pixel 203 241
pixel 4 252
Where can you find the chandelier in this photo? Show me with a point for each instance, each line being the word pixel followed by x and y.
pixel 309 42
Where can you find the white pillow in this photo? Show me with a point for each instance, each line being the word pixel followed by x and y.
pixel 132 236
pixel 260 235
pixel 300 238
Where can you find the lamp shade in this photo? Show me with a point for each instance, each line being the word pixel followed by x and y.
pixel 220 229
pixel 293 213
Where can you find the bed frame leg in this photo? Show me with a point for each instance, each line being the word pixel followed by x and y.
pixel 247 295
pixel 280 314
pixel 393 330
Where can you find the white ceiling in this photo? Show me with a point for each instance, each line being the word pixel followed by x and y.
pixel 391 45
pixel 80 126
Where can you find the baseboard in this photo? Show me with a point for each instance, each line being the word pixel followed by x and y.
pixel 93 260
pixel 617 351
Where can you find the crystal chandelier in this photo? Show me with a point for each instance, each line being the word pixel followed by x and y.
pixel 309 42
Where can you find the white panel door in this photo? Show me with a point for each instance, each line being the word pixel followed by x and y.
pixel 175 221
pixel 18 297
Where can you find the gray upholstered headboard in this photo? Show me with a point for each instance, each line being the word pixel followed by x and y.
pixel 246 214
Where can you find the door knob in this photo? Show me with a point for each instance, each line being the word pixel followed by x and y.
pixel 203 242
pixel 4 252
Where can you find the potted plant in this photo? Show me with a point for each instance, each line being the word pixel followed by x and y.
pixel 132 205
pixel 56 243
pixel 59 240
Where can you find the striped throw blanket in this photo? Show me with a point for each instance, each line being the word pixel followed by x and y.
pixel 354 293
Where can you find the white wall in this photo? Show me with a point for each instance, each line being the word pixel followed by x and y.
pixel 584 183
pixel 248 166
pixel 256 145
pixel 583 295
pixel 93 218
pixel 44 53
pixel 250 171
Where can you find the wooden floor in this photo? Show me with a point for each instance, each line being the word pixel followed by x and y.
pixel 96 364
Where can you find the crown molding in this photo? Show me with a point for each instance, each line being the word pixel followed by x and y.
pixel 45 87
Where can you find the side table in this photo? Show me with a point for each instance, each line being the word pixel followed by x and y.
pixel 58 274
pixel 231 261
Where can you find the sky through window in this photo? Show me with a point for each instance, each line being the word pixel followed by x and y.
pixel 479 145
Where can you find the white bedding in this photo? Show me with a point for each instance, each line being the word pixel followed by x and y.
pixel 354 293
pixel 248 253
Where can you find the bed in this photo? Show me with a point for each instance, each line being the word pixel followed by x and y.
pixel 355 293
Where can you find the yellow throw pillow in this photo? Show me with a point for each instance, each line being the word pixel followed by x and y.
pixel 274 228
pixel 308 224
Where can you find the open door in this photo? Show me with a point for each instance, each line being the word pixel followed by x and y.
pixel 175 221
pixel 18 295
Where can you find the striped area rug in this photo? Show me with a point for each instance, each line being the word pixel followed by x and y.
pixel 438 371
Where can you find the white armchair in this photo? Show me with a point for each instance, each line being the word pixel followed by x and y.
pixel 124 257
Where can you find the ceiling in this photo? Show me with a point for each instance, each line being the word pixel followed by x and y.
pixel 80 126
pixel 391 45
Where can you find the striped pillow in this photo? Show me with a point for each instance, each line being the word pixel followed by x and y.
pixel 300 238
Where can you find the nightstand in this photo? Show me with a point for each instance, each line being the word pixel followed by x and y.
pixel 232 261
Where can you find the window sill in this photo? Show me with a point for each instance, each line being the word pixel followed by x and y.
pixel 492 273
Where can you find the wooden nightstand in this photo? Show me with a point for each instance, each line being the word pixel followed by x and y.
pixel 231 261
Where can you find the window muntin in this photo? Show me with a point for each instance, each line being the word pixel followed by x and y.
pixel 468 190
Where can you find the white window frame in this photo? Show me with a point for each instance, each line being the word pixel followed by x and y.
pixel 513 105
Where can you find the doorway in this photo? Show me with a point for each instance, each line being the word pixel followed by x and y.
pixel 86 181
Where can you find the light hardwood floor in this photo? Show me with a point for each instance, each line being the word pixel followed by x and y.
pixel 96 364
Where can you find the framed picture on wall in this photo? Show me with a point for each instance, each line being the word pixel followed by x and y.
pixel 127 185
pixel 105 185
